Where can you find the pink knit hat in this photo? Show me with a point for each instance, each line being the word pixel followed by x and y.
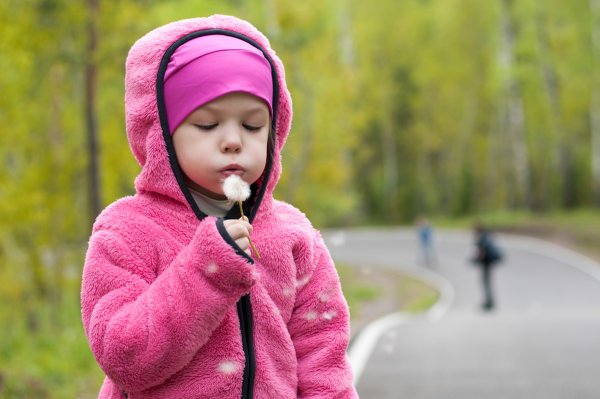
pixel 209 67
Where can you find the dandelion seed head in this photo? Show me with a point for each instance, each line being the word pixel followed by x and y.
pixel 235 189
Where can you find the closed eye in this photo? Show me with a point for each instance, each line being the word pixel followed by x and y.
pixel 251 128
pixel 208 126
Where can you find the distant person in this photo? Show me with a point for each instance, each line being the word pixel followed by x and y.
pixel 486 257
pixel 425 232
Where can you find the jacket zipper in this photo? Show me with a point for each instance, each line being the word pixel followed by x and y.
pixel 244 308
pixel 245 315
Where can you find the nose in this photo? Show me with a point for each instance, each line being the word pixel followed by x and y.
pixel 231 141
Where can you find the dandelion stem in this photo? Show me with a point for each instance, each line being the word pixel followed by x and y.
pixel 249 240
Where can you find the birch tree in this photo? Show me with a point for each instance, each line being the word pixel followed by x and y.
pixel 90 110
pixel 595 98
pixel 553 168
pixel 512 117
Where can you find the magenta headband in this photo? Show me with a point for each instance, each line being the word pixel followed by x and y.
pixel 209 67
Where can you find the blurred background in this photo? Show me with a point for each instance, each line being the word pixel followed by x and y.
pixel 456 109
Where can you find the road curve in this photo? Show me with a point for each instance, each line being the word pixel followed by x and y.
pixel 540 342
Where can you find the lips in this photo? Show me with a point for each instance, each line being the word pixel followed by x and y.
pixel 233 169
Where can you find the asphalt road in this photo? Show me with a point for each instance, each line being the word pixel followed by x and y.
pixel 542 341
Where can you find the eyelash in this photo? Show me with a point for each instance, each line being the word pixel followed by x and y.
pixel 206 127
pixel 251 128
pixel 214 125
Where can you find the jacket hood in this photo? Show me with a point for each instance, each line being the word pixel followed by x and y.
pixel 146 122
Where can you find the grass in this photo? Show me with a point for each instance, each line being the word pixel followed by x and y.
pixel 373 293
pixel 415 295
pixel 54 361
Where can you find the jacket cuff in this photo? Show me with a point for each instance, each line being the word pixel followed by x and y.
pixel 220 259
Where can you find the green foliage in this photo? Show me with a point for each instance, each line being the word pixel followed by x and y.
pixel 50 363
pixel 400 108
pixel 43 350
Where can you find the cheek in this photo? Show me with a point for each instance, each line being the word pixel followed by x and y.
pixel 261 151
pixel 191 159
pixel 259 155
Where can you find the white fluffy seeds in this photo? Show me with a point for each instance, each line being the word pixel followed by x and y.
pixel 235 189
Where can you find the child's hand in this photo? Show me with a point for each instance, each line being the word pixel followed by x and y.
pixel 240 231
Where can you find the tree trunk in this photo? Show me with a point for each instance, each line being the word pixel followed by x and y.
pixel 555 169
pixel 306 108
pixel 346 43
pixel 595 99
pixel 461 160
pixel 90 111
pixel 389 154
pixel 273 29
pixel 512 115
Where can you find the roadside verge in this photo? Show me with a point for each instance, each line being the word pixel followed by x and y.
pixel 368 333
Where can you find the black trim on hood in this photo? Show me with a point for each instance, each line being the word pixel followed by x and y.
pixel 251 205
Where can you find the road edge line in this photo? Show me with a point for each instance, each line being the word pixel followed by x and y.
pixel 365 342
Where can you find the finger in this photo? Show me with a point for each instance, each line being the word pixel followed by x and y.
pixel 243 220
pixel 238 228
pixel 246 223
pixel 238 234
pixel 243 243
pixel 229 222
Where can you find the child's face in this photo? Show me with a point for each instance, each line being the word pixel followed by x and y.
pixel 226 136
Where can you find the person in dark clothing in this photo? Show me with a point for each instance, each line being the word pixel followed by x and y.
pixel 486 257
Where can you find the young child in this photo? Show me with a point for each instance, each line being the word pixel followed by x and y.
pixel 174 303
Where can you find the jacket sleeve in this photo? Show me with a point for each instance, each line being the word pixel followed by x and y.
pixel 141 328
pixel 320 330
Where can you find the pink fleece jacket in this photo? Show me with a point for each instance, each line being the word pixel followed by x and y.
pixel 171 307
